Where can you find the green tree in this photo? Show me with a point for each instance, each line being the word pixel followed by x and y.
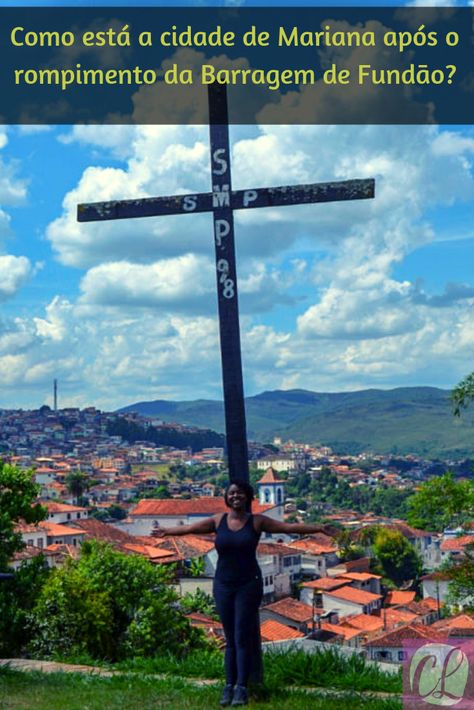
pixel 161 492
pixel 463 394
pixel 398 559
pixel 99 514
pixel 17 598
pixel 114 512
pixel 461 576
pixel 77 484
pixel 348 547
pixel 18 493
pixel 110 605
pixel 196 567
pixel 199 602
pixel 179 471
pixel 440 503
pixel 255 474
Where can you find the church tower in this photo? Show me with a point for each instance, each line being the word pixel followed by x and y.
pixel 271 489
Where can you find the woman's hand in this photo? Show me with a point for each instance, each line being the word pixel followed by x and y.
pixel 158 531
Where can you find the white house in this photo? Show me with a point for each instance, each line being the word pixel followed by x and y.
pixel 290 612
pixel 149 513
pixel 64 513
pixel 435 585
pixel 348 600
pixel 390 646
pixel 33 535
pixel 278 463
pixel 318 553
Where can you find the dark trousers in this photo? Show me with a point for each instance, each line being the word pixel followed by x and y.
pixel 237 604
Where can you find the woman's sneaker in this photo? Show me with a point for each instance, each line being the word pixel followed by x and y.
pixel 241 696
pixel 227 695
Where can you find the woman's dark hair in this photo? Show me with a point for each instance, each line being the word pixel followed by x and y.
pixel 242 486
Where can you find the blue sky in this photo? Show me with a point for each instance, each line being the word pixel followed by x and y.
pixel 333 297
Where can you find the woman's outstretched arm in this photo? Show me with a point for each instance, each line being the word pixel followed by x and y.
pixel 201 527
pixel 277 526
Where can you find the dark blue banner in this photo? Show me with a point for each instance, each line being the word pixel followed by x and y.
pixel 280 65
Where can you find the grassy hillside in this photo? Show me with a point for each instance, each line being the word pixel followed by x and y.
pixel 415 420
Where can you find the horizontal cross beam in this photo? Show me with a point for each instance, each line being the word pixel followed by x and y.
pixel 236 199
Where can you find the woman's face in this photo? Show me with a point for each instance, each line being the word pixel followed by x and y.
pixel 236 498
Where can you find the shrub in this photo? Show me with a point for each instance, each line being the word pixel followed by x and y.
pixel 17 598
pixel 110 605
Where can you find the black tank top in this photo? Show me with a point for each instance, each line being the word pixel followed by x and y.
pixel 237 552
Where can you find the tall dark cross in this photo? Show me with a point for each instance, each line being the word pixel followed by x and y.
pixel 222 201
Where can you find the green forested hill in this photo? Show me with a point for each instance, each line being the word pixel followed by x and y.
pixel 415 420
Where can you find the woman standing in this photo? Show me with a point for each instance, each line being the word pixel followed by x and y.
pixel 238 586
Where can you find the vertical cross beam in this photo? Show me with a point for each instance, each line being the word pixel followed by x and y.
pixel 226 274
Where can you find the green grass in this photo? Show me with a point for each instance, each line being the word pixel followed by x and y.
pixel 161 468
pixel 37 691
pixel 327 669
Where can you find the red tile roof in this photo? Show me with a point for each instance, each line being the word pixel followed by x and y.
pixel 201 620
pixel 28 528
pixel 185 547
pixel 62 507
pixel 58 530
pixel 395 638
pixel 396 598
pixel 275 548
pixel 350 594
pixel 461 621
pixel 274 631
pixel 27 553
pixel 432 603
pixel 62 550
pixel 206 505
pixel 364 622
pixel 396 617
pixel 325 583
pixel 347 633
pixel 454 544
pixel 153 553
pixel 317 544
pixel 291 609
pixel 270 477
pixel 419 608
pixel 360 576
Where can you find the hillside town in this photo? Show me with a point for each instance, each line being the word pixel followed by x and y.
pixel 324 588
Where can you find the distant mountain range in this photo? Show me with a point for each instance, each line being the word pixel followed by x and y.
pixel 405 420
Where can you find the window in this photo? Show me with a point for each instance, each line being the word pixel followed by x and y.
pixel 69 516
pixel 266 493
pixel 402 655
pixel 280 495
pixel 78 516
pixel 30 542
pixel 40 542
